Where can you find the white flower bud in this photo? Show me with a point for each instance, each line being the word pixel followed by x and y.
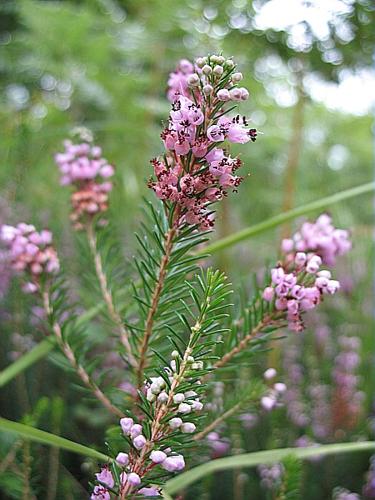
pixel 175 423
pixel 175 354
pixel 218 70
pixel 207 70
pixel 190 394
pixel 193 80
pixel 184 408
pixel 155 388
pixel 270 373
pixel 200 62
pixel 197 406
pixel 220 59
pixel 207 89
pixel 280 387
pixel 214 59
pixel 237 77
pixel 150 396
pixel 190 359
pixel 178 398
pixel 163 397
pixel 229 63
pixel 173 365
pixel 188 427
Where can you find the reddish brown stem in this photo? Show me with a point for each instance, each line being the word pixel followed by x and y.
pixel 107 295
pixel 266 321
pixel 154 305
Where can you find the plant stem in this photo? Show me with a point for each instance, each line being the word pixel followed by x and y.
pixel 266 321
pixel 154 305
pixel 157 428
pixel 107 295
pixel 81 372
pixel 279 219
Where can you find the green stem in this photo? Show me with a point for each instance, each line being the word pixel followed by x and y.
pixel 261 457
pixel 40 351
pixel 275 221
pixel 42 437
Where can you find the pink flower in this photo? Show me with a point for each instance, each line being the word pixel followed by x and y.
pixel 100 493
pixel 105 477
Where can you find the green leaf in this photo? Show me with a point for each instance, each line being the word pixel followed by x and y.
pixel 42 437
pixel 260 457
pixel 39 352
pixel 277 220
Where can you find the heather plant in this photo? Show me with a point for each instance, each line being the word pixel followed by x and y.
pixel 175 332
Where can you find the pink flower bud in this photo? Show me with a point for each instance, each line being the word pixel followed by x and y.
pixel 135 431
pixel 126 424
pixel 268 293
pixel 270 373
pixel 139 442
pixel 158 456
pixel 134 479
pixel 188 428
pixel 122 459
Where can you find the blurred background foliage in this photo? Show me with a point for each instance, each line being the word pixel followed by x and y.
pixel 104 64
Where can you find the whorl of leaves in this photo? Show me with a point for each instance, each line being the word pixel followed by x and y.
pixel 152 239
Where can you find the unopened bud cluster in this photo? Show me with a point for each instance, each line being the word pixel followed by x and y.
pixel 31 252
pixel 83 166
pixel 173 408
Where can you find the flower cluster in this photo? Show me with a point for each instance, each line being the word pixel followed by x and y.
pixel 170 409
pixel 30 251
pixel 273 398
pixel 321 238
pixel 299 287
pixel 195 171
pixel 83 166
pixel 271 476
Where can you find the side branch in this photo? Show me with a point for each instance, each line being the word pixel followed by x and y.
pixel 107 295
pixel 154 305
pixel 81 372
pixel 266 321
